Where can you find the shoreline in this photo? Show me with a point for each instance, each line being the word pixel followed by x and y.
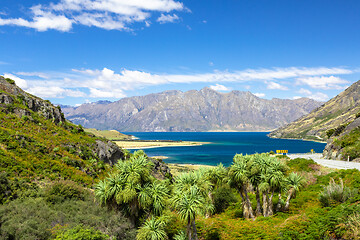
pixel 130 145
pixel 301 139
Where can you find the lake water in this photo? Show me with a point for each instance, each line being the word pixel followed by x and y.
pixel 223 147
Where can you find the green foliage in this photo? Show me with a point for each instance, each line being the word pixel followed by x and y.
pixel 223 198
pixel 40 149
pixel 9 80
pixel 153 229
pixel 64 190
pixel 81 233
pixel 336 193
pixel 34 218
pixel 5 188
pixel 330 132
pixel 350 144
pixel 302 164
pixel 322 224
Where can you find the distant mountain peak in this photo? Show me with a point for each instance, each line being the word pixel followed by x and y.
pixel 193 110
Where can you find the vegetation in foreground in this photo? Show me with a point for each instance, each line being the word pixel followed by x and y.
pixel 48 174
pixel 258 197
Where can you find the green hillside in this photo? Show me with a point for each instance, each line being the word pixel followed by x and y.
pixel 338 111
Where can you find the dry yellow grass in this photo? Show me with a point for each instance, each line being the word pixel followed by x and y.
pixel 153 144
pixel 177 169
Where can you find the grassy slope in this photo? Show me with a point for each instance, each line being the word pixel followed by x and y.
pixel 306 219
pixel 33 148
pixel 337 111
pixel 109 134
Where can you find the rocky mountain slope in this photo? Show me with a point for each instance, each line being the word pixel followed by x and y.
pixel 36 141
pixel 336 122
pixel 339 110
pixel 204 110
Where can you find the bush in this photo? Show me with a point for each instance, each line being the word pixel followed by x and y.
pixel 302 164
pixel 81 233
pixel 36 219
pixel 5 188
pixel 223 197
pixel 354 225
pixel 336 193
pixel 9 80
pixel 64 190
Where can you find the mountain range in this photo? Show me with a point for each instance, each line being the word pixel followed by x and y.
pixel 204 110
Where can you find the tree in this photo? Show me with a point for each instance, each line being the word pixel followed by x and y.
pixel 191 198
pixel 153 229
pixel 294 183
pixel 188 205
pixel 239 178
pixel 153 197
pixel 121 189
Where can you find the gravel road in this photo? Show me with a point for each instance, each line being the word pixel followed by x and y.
pixel 317 157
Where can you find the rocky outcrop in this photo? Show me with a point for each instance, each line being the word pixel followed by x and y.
pixel 334 150
pixel 204 110
pixel 108 152
pixel 11 94
pixel 13 99
pixel 161 170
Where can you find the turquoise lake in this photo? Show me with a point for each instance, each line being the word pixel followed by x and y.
pixel 223 147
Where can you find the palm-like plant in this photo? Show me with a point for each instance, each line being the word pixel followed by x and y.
pixel 121 188
pixel 276 177
pixel 153 196
pixel 153 229
pixel 180 236
pixel 294 183
pixel 239 178
pixel 188 205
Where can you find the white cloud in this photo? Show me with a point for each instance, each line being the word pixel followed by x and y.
pixel 106 14
pixel 260 95
pixel 97 93
pixel 165 18
pixel 296 97
pixel 304 91
pixel 34 74
pixel 3 63
pixel 274 85
pixel 41 21
pixel 322 97
pixel 219 87
pixel 54 92
pixel 322 82
pixel 319 97
pixel 19 81
pixel 106 83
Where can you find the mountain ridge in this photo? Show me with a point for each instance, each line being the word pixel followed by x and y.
pixel 193 110
pixel 337 122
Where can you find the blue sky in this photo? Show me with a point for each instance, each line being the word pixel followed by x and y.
pixel 76 51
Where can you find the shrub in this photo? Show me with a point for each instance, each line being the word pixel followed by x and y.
pixel 5 187
pixel 336 193
pixel 302 164
pixel 36 219
pixel 354 225
pixel 64 190
pixel 223 197
pixel 81 233
pixel 330 132
pixel 9 80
